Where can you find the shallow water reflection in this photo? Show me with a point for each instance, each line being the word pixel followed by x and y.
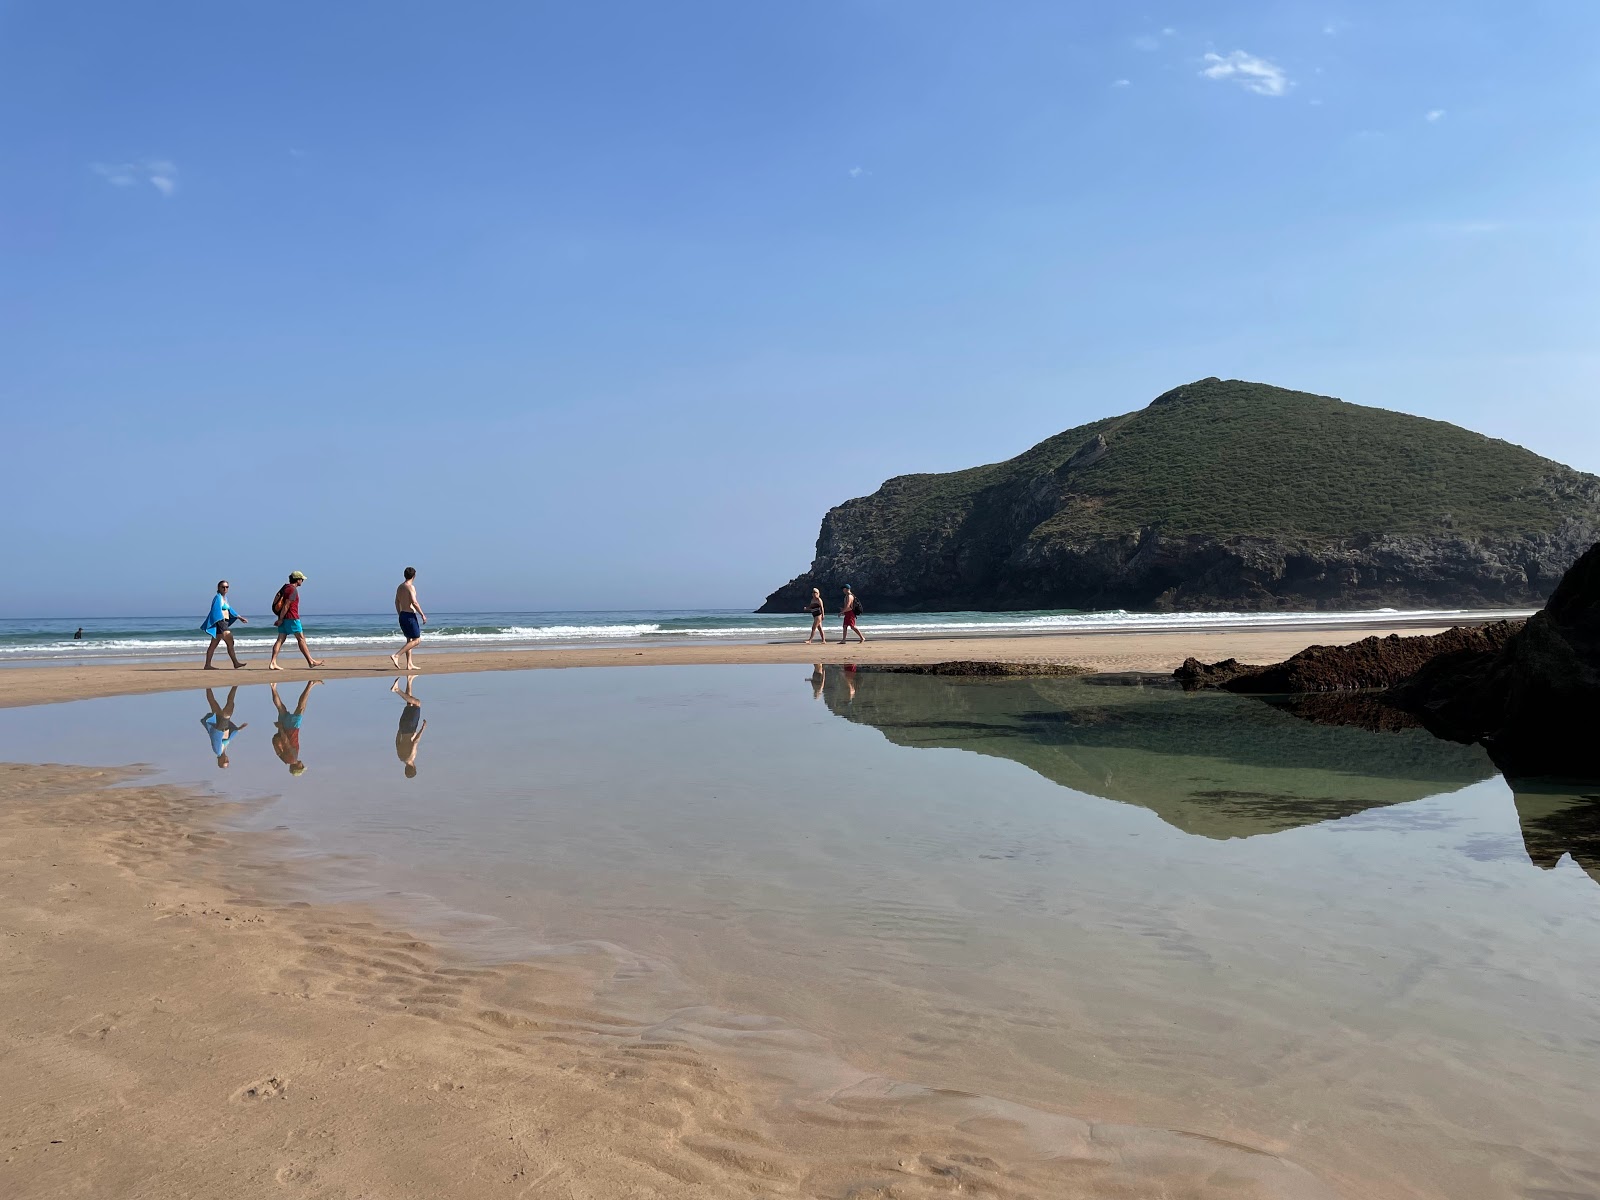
pixel 1212 764
pixel 1358 950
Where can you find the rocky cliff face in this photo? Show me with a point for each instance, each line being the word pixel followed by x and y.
pixel 1219 496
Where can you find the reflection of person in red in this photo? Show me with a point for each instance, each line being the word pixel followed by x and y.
pixel 286 742
pixel 850 680
pixel 850 611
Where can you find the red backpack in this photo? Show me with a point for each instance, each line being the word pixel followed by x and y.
pixel 280 601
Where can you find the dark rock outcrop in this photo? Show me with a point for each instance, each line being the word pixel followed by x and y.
pixel 1529 692
pixel 1374 662
pixel 1535 704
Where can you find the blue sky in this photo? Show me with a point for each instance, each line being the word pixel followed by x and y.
pixel 603 305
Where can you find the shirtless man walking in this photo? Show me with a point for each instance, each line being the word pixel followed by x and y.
pixel 412 619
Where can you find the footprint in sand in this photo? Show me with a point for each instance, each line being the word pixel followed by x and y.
pixel 271 1088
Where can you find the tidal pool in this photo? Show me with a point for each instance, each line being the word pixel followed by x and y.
pixel 1100 897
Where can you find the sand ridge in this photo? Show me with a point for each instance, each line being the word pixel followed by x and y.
pixel 1118 651
pixel 164 1034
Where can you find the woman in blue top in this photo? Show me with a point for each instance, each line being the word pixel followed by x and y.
pixel 217 624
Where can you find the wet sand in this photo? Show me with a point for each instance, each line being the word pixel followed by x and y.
pixel 1121 651
pixel 164 1031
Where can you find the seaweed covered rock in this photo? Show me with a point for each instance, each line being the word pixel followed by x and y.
pixel 973 668
pixel 1371 663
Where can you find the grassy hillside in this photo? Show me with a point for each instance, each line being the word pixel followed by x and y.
pixel 1229 458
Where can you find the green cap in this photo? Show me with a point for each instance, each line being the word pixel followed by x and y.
pixel 297 576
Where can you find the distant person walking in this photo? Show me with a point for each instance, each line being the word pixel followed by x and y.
pixel 220 725
pixel 218 623
pixel 286 607
pixel 411 727
pixel 286 742
pixel 412 619
pixel 814 606
pixel 851 610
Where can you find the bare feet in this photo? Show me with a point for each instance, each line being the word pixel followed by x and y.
pixel 395 659
pixel 395 686
pixel 274 667
pixel 240 665
pixel 209 667
pixel 314 663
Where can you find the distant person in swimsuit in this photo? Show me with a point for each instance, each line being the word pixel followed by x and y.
pixel 220 725
pixel 286 607
pixel 286 742
pixel 219 621
pixel 850 611
pixel 78 637
pixel 412 619
pixel 815 608
pixel 411 727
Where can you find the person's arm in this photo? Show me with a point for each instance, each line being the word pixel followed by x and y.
pixel 416 606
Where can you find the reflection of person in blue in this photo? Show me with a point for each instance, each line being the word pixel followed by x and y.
pixel 286 742
pixel 220 725
pixel 411 727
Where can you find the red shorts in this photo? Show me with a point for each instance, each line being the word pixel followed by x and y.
pixel 849 620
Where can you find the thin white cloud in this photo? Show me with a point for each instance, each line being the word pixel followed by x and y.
pixel 857 172
pixel 1169 31
pixel 159 173
pixel 1122 83
pixel 1434 114
pixel 1257 75
pixel 1146 42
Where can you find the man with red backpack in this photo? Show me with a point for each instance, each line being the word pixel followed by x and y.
pixel 286 607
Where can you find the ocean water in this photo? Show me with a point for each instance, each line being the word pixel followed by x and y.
pixel 1361 953
pixel 50 639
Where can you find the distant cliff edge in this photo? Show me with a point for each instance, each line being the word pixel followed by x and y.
pixel 1220 494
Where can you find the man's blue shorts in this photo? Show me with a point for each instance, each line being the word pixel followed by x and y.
pixel 410 626
pixel 290 628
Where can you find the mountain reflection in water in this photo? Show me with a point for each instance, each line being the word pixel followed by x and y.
pixel 1210 763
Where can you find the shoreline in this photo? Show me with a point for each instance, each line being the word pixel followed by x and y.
pixel 1097 651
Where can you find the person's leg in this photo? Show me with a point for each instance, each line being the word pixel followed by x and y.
pixel 300 640
pixel 272 663
pixel 227 640
pixel 212 649
pixel 227 707
pixel 406 650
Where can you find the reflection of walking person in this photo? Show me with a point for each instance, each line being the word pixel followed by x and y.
pixel 286 607
pixel 850 611
pixel 814 607
pixel 219 622
pixel 412 619
pixel 411 727
pixel 819 679
pixel 220 725
pixel 286 742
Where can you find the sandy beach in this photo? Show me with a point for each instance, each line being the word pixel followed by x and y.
pixel 1094 651
pixel 175 1022
pixel 168 1033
